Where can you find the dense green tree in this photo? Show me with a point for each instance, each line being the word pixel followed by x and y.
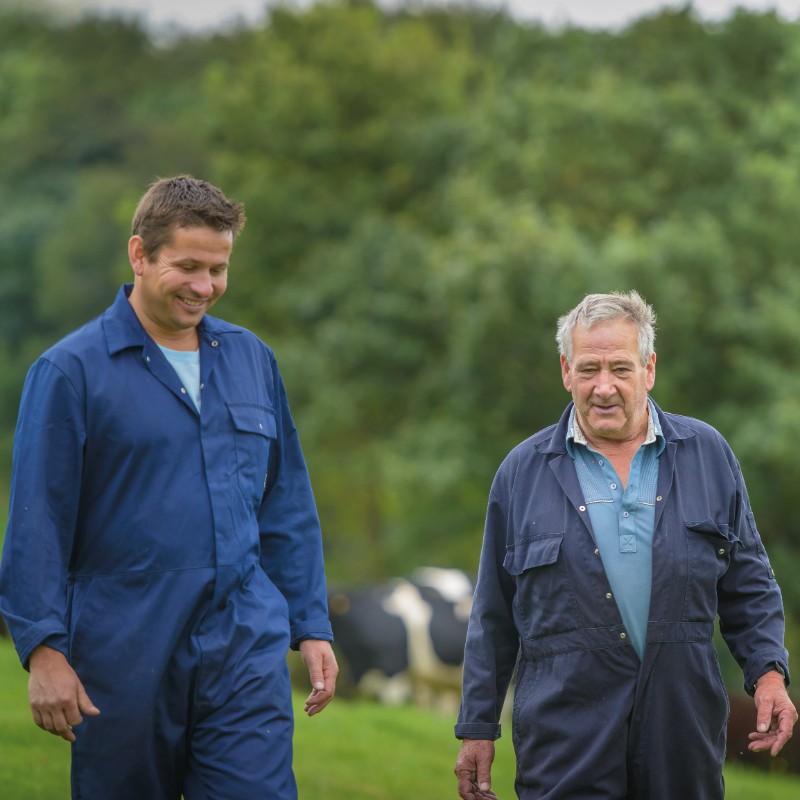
pixel 427 191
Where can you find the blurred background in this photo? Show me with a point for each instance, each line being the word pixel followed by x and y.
pixel 428 188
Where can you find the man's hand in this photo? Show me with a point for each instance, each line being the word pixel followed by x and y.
pixel 775 714
pixel 322 670
pixel 473 769
pixel 56 695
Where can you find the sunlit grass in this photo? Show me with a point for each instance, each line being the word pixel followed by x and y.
pixel 352 751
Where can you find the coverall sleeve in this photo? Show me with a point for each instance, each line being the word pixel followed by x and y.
pixel 750 602
pixel 492 641
pixel 291 539
pixel 45 496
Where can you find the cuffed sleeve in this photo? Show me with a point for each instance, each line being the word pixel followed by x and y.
pixel 492 641
pixel 750 602
pixel 291 540
pixel 45 487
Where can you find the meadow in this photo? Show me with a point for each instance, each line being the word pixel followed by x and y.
pixel 353 751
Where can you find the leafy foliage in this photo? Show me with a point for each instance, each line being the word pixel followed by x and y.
pixel 428 191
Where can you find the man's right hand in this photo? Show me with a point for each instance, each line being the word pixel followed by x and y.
pixel 473 769
pixel 56 695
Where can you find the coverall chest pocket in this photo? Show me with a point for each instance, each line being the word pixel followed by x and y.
pixel 708 549
pixel 254 434
pixel 544 600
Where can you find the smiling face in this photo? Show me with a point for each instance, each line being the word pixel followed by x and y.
pixel 173 291
pixel 608 383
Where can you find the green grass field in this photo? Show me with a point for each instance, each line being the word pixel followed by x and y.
pixel 353 751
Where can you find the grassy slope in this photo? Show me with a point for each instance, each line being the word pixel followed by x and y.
pixel 353 751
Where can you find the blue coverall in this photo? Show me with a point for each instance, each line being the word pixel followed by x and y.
pixel 590 720
pixel 173 556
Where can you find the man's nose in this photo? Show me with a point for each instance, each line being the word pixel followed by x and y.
pixel 604 384
pixel 202 285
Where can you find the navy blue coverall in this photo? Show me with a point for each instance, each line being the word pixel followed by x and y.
pixel 173 556
pixel 590 720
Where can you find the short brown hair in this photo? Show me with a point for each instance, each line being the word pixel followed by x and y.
pixel 183 201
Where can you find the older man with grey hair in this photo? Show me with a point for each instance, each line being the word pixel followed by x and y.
pixel 613 540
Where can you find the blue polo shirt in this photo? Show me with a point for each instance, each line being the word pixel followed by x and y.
pixel 622 520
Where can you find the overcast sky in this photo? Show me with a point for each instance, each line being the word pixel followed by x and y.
pixel 588 13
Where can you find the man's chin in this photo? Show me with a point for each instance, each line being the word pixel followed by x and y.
pixel 610 421
pixel 606 429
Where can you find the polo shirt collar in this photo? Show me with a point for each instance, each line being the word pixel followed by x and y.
pixel 654 433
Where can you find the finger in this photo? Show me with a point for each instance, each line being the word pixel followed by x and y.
pixel 763 717
pixel 784 733
pixel 328 688
pixel 67 735
pixel 780 742
pixel 85 703
pixel 484 775
pixel 315 709
pixel 759 746
pixel 330 680
pixel 317 701
pixel 47 722
pixel 761 742
pixel 466 784
pixel 62 727
pixel 56 724
pixel 314 664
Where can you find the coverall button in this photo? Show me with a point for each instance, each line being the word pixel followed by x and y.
pixel 148 359
pixel 215 343
pixel 183 391
pixel 581 508
pixel 613 485
pixel 658 499
pixel 609 595
pixel 625 514
pixel 623 635
pixel 202 386
pixel 596 551
pixel 721 551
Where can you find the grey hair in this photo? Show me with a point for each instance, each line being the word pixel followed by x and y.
pixel 596 308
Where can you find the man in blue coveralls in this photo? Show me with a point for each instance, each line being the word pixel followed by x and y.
pixel 613 539
pixel 163 549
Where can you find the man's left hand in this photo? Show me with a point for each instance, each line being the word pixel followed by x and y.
pixel 775 714
pixel 322 670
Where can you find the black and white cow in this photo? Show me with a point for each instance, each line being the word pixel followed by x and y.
pixel 404 640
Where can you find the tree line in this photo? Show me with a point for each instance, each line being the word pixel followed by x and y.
pixel 427 191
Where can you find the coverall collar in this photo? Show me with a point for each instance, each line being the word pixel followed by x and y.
pixel 554 439
pixel 123 329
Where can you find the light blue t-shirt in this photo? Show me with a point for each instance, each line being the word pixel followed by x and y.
pixel 623 521
pixel 186 364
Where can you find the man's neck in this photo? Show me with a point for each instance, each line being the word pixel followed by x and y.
pixel 187 342
pixel 618 448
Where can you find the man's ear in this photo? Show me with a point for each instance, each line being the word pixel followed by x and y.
pixel 651 372
pixel 136 254
pixel 566 374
